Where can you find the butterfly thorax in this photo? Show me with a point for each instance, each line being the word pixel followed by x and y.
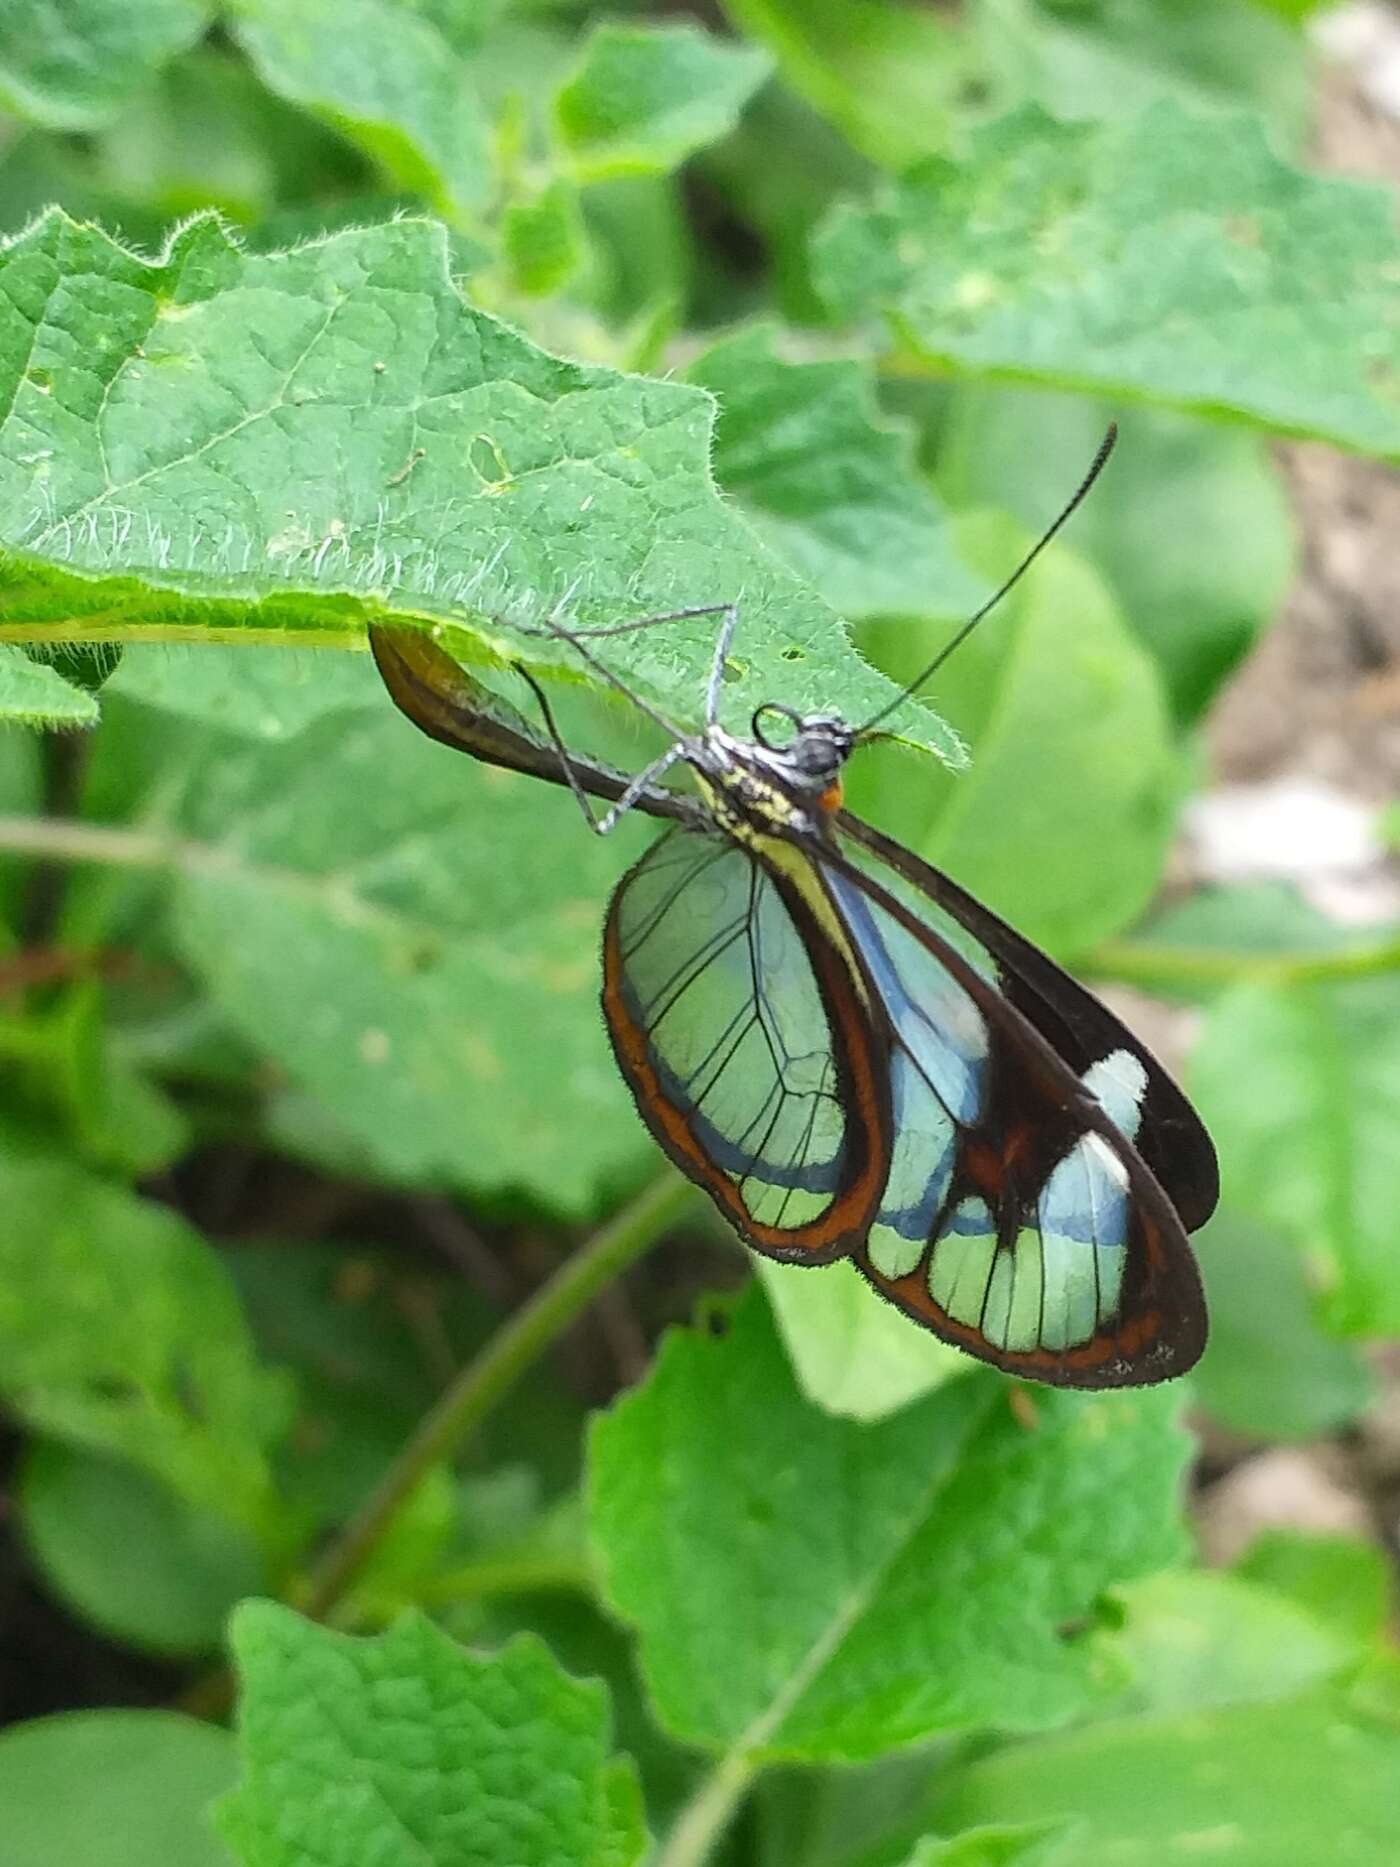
pixel 757 790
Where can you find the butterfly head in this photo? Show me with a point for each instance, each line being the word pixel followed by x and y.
pixel 809 754
pixel 814 746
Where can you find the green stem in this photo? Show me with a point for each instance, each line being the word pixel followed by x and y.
pixel 1133 962
pixel 519 1575
pixel 64 839
pixel 482 1384
pixel 1155 968
pixel 708 1813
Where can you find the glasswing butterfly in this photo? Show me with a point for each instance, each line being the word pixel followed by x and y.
pixel 851 1055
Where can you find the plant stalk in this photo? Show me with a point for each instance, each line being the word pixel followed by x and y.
pixel 1139 963
pixel 485 1381
pixel 1193 969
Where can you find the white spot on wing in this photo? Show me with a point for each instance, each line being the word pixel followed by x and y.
pixel 1120 1083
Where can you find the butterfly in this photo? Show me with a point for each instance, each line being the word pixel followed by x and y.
pixel 851 1055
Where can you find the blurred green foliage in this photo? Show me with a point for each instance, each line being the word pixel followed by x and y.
pixel 314 314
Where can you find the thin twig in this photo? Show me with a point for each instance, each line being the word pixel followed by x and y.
pixel 1154 968
pixel 485 1381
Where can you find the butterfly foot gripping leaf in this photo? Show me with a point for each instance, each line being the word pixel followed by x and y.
pixel 856 1059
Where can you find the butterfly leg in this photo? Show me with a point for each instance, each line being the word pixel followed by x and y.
pixel 578 639
pixel 553 627
pixel 726 636
pixel 599 825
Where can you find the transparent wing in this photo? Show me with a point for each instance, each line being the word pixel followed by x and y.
pixel 1018 1219
pixel 743 1032
pixel 1170 1136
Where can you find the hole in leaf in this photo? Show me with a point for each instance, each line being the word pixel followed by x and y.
pixel 487 461
pixel 794 654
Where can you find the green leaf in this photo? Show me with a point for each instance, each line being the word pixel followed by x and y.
pixel 1170 258
pixel 113 1789
pixel 642 257
pixel 779 172
pixel 1346 1584
pixel 1063 822
pixel 34 695
pixel 74 67
pixel 1189 525
pixel 1192 1640
pixel 888 76
pixel 1269 1369
pixel 260 694
pixel 543 239
pixel 1114 58
pixel 392 78
pixel 1301 1089
pixel 829 484
pixel 65 1068
pixel 1309 1780
pixel 644 98
pixel 1296 11
pixel 406 1748
pixel 902 82
pixel 810 1588
pixel 424 965
pixel 293 442
pixel 119 1332
pixel 852 1353
pixel 127 1555
pixel 588 1643
pixel 206 133
pixel 1026 1844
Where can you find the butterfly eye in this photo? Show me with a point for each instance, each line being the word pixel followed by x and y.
pixel 790 714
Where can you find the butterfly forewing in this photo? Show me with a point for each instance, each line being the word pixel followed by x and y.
pixel 743 1036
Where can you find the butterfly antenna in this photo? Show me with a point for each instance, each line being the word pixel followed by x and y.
pixel 906 693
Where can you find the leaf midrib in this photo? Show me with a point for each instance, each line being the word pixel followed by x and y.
pixel 769 1721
